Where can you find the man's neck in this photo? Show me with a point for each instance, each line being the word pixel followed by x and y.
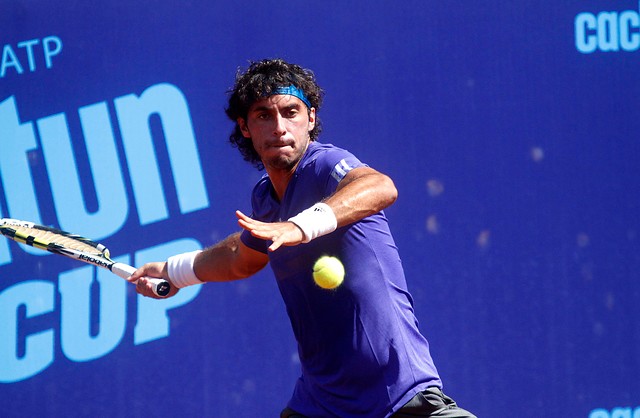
pixel 280 180
pixel 280 177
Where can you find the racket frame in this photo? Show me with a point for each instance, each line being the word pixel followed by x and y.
pixel 10 228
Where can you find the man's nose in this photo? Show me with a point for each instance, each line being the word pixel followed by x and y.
pixel 279 125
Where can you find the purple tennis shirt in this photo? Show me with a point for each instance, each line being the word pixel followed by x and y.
pixel 360 349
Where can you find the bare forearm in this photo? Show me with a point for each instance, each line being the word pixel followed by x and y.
pixel 227 261
pixel 361 195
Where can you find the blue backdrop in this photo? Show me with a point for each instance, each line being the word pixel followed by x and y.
pixel 511 130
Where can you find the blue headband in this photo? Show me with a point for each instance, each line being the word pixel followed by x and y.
pixel 295 92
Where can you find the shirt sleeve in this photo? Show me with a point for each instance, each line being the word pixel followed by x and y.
pixel 254 243
pixel 333 166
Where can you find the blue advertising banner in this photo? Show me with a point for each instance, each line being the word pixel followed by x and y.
pixel 511 131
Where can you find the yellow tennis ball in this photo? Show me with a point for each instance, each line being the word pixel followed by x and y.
pixel 328 272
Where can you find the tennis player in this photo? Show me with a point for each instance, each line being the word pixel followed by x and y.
pixel 361 352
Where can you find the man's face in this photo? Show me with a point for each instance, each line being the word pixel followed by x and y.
pixel 279 127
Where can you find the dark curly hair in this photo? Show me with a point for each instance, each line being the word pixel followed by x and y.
pixel 261 79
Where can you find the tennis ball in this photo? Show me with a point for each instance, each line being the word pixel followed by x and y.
pixel 328 272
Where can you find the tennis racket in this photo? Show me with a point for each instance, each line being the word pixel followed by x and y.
pixel 73 246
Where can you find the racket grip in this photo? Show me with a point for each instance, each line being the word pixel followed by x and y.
pixel 161 287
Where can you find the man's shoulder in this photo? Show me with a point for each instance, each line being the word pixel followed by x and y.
pixel 319 152
pixel 329 160
pixel 316 147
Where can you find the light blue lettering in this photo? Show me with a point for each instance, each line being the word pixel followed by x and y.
pixel 5 253
pixel 629 20
pixel 48 51
pixel 64 177
pixel 51 45
pixel 28 45
pixel 586 42
pixel 134 112
pixel 608 31
pixel 17 140
pixel 621 413
pixel 77 341
pixel 75 318
pixel 9 59
pixel 153 321
pixel 38 298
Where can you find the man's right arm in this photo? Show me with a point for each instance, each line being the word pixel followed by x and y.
pixel 228 260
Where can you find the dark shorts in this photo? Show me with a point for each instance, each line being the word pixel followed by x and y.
pixel 431 402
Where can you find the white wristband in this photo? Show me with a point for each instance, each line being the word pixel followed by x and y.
pixel 316 221
pixel 180 269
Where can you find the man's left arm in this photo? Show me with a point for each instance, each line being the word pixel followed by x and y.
pixel 362 192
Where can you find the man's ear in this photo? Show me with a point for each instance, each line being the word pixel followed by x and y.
pixel 242 124
pixel 312 118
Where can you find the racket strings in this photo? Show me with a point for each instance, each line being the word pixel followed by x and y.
pixel 46 238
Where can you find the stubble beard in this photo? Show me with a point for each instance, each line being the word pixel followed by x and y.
pixel 286 162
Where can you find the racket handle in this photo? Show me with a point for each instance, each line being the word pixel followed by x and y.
pixel 161 287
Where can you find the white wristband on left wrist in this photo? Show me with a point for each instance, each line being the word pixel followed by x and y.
pixel 316 221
